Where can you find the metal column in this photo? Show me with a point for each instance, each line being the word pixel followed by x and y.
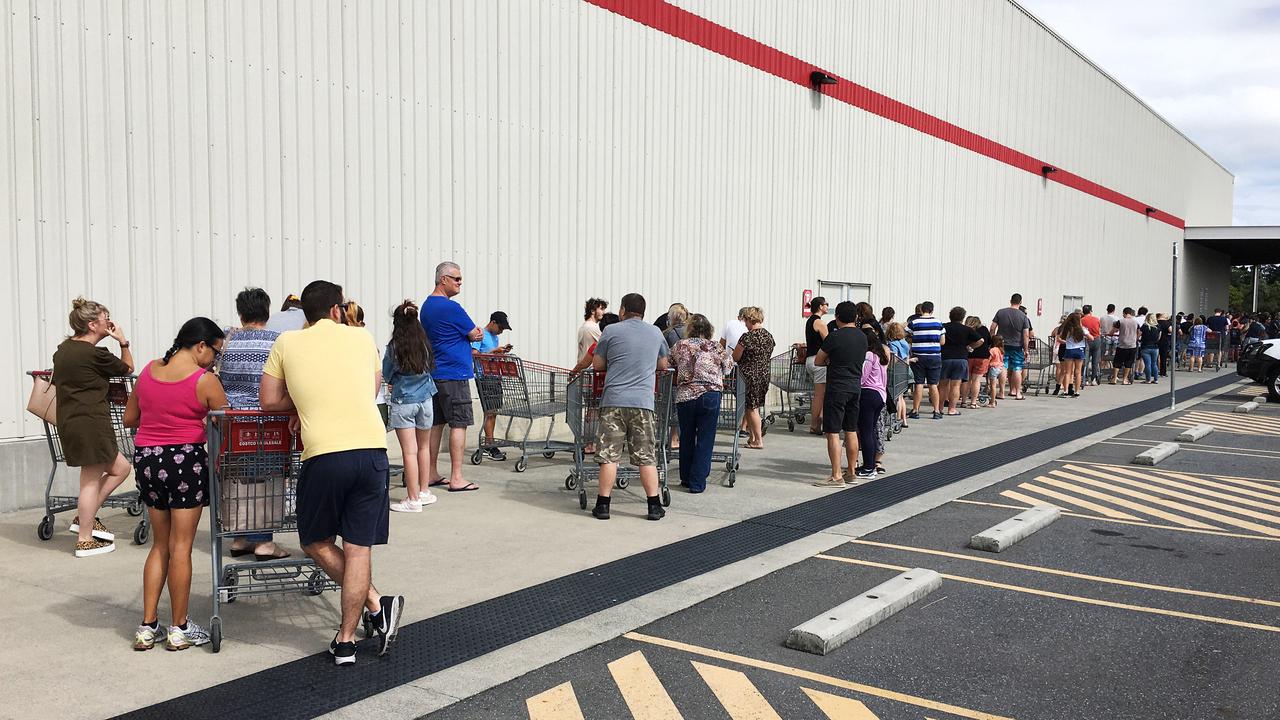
pixel 1256 275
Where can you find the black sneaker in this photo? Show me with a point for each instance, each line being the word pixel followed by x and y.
pixel 937 416
pixel 913 415
pixel 656 512
pixel 392 606
pixel 744 434
pixel 344 653
pixel 494 453
pixel 600 512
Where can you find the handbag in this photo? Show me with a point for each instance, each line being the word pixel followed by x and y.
pixel 43 402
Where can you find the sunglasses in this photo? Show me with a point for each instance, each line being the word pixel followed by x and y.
pixel 455 278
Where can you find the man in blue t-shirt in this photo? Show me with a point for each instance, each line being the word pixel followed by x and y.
pixel 491 387
pixel 926 335
pixel 1219 324
pixel 450 332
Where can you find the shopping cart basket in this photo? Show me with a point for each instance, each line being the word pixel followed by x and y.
pixel 520 390
pixel 253 482
pixel 788 373
pixel 898 385
pixel 117 397
pixel 727 447
pixel 1041 366
pixel 584 421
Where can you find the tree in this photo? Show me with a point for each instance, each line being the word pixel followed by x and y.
pixel 1240 294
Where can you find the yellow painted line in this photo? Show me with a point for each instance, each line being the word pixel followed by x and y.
pixel 1070 574
pixel 1087 505
pixel 1211 488
pixel 1189 487
pixel 1122 502
pixel 641 689
pixel 1115 482
pixel 1140 523
pixel 836 707
pixel 558 703
pixel 1170 472
pixel 815 677
pixel 1072 598
pixel 736 693
pixel 1251 420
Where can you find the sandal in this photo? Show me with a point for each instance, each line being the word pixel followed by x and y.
pixel 279 554
pixel 831 482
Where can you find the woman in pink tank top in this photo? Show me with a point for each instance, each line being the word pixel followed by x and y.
pixel 168 407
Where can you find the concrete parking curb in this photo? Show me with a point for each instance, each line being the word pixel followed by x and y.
pixel 1246 408
pixel 1261 400
pixel 840 624
pixel 1194 433
pixel 999 538
pixel 1156 454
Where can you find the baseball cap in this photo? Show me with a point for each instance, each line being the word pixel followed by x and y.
pixel 500 318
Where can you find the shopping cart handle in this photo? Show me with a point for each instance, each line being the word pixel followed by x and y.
pixel 232 413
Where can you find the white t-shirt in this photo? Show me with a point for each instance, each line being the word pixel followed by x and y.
pixel 733 330
pixel 587 334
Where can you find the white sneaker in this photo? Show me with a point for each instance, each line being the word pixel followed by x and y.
pixel 425 497
pixel 180 639
pixel 407 506
pixel 146 637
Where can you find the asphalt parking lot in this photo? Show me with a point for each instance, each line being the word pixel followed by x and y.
pixel 1154 596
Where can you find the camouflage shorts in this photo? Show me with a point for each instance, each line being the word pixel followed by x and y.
pixel 629 429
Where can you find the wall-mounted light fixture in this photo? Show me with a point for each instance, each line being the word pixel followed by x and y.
pixel 817 79
pixel 1150 210
pixel 1046 169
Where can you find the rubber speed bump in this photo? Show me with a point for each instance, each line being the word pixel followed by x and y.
pixel 848 620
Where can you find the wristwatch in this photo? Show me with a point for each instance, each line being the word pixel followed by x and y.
pixel 124 344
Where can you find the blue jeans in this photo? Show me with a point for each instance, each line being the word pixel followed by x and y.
pixel 1093 360
pixel 259 538
pixel 1151 363
pixel 697 438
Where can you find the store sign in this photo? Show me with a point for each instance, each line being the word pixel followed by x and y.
pixel 1039 307
pixel 805 297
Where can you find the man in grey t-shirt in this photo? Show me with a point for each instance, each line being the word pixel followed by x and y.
pixel 1126 348
pixel 1014 327
pixel 629 353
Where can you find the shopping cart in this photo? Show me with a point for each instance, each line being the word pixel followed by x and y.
pixel 584 421
pixel 898 385
pixel 1041 366
pixel 117 397
pixel 726 448
pixel 253 482
pixel 788 373
pixel 520 390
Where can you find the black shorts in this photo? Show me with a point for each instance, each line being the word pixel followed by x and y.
pixel 172 477
pixel 1124 357
pixel 344 493
pixel 840 410
pixel 451 404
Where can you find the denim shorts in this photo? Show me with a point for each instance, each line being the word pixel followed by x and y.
pixel 955 370
pixel 408 416
pixel 1073 353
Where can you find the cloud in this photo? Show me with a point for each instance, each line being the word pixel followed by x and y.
pixel 1211 69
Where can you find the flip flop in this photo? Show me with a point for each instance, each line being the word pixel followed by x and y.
pixel 279 554
pixel 438 483
pixel 465 488
pixel 241 552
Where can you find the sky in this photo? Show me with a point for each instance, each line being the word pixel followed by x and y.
pixel 1212 68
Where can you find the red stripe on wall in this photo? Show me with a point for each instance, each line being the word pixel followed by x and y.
pixel 682 24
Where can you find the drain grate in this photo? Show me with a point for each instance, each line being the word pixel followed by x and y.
pixel 309 687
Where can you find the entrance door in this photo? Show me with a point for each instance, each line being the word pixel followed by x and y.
pixel 1071 303
pixel 836 292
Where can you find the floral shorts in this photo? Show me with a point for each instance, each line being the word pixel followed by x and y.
pixel 172 477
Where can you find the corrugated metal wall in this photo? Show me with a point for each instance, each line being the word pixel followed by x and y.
pixel 160 155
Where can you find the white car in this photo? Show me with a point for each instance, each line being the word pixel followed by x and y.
pixel 1261 362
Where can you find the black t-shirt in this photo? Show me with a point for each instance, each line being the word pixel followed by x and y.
pixel 1218 323
pixel 871 327
pixel 846 350
pixel 959 337
pixel 983 351
pixel 812 340
pixel 1150 336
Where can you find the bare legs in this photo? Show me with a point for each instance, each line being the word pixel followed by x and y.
pixel 457 448
pixel 609 474
pixel 97 482
pixel 755 429
pixel 950 392
pixel 815 419
pixel 833 452
pixel 351 566
pixel 173 532
pixel 415 446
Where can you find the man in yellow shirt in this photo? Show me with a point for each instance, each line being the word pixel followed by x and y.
pixel 330 374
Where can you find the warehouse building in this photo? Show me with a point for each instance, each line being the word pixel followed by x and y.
pixel 160 156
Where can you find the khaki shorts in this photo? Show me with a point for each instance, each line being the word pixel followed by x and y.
pixel 629 429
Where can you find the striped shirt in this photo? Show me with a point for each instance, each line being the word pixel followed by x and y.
pixel 926 335
pixel 243 355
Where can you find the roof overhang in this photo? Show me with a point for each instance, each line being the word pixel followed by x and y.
pixel 1245 245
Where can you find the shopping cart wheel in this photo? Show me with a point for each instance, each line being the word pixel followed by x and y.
pixel 45 530
pixel 582 498
pixel 622 483
pixel 666 496
pixel 316 582
pixel 791 425
pixel 229 579
pixel 522 464
pixel 134 508
pixel 800 417
pixel 548 455
pixel 568 482
pixel 215 633
pixel 475 457
pixel 141 534
pixel 733 478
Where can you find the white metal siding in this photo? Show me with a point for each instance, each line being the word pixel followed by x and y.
pixel 159 156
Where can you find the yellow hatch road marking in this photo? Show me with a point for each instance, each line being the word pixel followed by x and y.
pixel 1116 486
pixel 1140 523
pixel 1238 485
pixel 1068 573
pixel 1100 509
pixel 815 677
pixel 1189 487
pixel 641 689
pixel 1269 487
pixel 1073 598
pixel 736 693
pixel 839 708
pixel 1122 502
pixel 558 703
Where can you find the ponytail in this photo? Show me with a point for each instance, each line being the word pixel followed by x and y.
pixel 173 350
pixel 193 332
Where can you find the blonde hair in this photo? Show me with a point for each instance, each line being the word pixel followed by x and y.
pixel 84 312
pixel 896 332
pixel 752 314
pixel 677 314
pixel 973 321
pixel 1151 320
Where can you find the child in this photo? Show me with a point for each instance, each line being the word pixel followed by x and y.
pixel 901 351
pixel 996 375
